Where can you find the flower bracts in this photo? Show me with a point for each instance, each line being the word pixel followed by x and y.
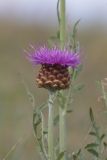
pixel 54 62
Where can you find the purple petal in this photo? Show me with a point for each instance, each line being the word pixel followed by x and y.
pixel 45 55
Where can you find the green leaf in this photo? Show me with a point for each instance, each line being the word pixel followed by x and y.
pixel 75 28
pixel 102 137
pixel 91 115
pixel 60 156
pixel 78 153
pixel 105 144
pixel 92 133
pixel 91 145
pixel 37 116
pixel 43 106
pixel 36 120
pixel 94 152
pixel 69 111
pixel 45 132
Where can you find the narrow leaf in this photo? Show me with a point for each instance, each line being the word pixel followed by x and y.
pixel 91 115
pixel 102 137
pixel 45 132
pixel 92 133
pixel 36 120
pixel 105 144
pixel 91 145
pixel 75 28
pixel 94 152
pixel 69 111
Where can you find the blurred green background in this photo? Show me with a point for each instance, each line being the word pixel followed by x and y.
pixel 15 109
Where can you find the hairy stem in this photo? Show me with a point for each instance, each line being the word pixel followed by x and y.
pixel 51 126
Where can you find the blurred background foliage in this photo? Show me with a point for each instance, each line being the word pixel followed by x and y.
pixel 15 109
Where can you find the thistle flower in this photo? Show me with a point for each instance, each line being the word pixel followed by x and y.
pixel 54 62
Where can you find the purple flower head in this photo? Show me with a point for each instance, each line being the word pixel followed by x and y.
pixel 45 55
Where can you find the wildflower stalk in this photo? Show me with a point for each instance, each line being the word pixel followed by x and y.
pixel 62 112
pixel 62 22
pixel 51 126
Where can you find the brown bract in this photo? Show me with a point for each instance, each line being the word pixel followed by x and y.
pixel 54 77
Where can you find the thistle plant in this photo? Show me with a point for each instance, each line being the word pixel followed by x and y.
pixel 55 76
pixel 60 64
pixel 59 67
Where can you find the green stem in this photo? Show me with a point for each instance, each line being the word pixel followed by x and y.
pixel 62 112
pixel 51 126
pixel 62 23
pixel 62 131
pixel 43 144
